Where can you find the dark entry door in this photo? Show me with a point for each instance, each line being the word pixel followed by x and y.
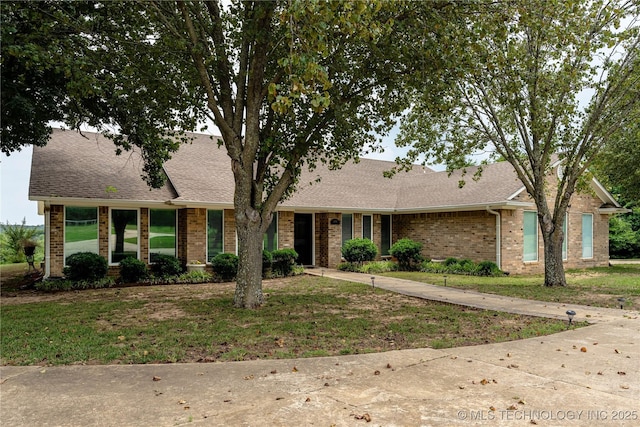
pixel 303 238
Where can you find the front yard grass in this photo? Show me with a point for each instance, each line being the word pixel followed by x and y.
pixel 304 316
pixel 600 286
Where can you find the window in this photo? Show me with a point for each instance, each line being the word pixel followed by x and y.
pixel 215 241
pixel 347 227
pixel 271 236
pixel 80 230
pixel 565 238
pixel 367 232
pixel 123 238
pixel 162 233
pixel 530 231
pixel 587 236
pixel 385 234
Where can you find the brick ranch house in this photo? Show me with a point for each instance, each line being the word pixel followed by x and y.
pixel 96 201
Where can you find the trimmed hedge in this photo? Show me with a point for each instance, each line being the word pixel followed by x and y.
pixel 225 266
pixel 283 261
pixel 165 265
pixel 359 250
pixel 85 266
pixel 408 253
pixel 132 270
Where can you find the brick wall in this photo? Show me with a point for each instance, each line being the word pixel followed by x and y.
pixel 285 230
pixel 229 231
pixel 144 235
pixel 322 239
pixel 450 234
pixel 56 240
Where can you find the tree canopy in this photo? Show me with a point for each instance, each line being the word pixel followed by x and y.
pixel 287 83
pixel 520 96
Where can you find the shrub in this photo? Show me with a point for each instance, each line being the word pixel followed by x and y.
pixel 378 267
pixel 349 266
pixel 267 261
pixel 194 277
pixel 359 250
pixel 132 270
pixel 433 267
pixel 54 285
pixel 408 253
pixel 488 268
pixel 165 265
pixel 225 266
pixel 450 261
pixel 284 261
pixel 85 266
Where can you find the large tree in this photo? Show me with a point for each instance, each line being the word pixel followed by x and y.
pixel 530 64
pixel 287 83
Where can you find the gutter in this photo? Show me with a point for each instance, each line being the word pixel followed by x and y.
pixel 498 239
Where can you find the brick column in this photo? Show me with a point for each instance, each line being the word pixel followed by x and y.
pixel 56 240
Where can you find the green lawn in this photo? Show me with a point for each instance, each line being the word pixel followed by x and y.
pixel 303 316
pixel 594 286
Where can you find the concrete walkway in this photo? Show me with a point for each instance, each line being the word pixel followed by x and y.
pixel 587 377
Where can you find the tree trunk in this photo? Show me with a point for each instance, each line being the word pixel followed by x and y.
pixel 249 279
pixel 553 267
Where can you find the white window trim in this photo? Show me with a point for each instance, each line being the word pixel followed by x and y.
pixel 582 241
pixel 206 236
pixel 537 226
pixel 111 263
pixel 149 229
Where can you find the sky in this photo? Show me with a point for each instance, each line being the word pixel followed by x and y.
pixel 14 183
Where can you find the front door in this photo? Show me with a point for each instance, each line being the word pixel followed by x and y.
pixel 303 238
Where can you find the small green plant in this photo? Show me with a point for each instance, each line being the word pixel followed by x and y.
pixel 132 270
pixel 349 266
pixel 225 266
pixel 283 261
pixel 408 254
pixel 194 277
pixel 359 250
pixel 377 267
pixel 488 268
pixel 165 265
pixel 450 261
pixel 55 285
pixel 86 266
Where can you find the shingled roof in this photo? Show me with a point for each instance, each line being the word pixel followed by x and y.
pixel 73 166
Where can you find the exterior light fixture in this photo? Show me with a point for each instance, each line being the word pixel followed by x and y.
pixel 621 301
pixel 322 272
pixel 570 314
pixel 445 280
pixel 373 282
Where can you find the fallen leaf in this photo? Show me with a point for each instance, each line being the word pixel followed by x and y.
pixel 461 387
pixel 624 387
pixel 365 417
pixel 156 378
pixel 492 408
pixel 376 373
pixel 388 365
pixel 186 407
pixel 484 381
pixel 622 373
pixel 583 349
pixel 308 399
pixel 616 350
pixel 227 400
pixel 294 369
pixel 274 372
pixel 249 377
pixel 512 408
pixel 181 402
pixel 600 373
pixel 279 398
pixel 494 381
pixel 508 354
pixel 522 402
pixel 534 422
pixel 513 365
pixel 326 384
pixel 595 343
pixel 121 337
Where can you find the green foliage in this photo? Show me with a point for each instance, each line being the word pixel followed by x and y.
pixel 225 266
pixel 13 239
pixel 165 265
pixel 377 267
pixel 408 253
pixel 624 241
pixel 283 261
pixel 194 277
pixel 56 285
pixel 349 266
pixel 359 250
pixel 85 266
pixel 464 266
pixel 132 270
pixel 267 261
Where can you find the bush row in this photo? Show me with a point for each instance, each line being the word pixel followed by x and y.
pixel 89 270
